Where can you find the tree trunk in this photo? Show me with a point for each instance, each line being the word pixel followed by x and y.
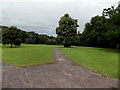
pixel 11 45
pixel 118 46
pixel 67 45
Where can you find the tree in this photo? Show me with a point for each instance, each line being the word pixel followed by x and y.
pixel 51 40
pixel 23 36
pixel 67 30
pixel 113 32
pixel 11 36
pixel 42 39
pixel 103 31
pixel 31 39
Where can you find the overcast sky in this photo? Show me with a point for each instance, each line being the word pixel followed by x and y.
pixel 42 16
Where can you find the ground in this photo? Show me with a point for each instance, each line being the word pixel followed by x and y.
pixel 28 54
pixel 102 60
pixel 62 74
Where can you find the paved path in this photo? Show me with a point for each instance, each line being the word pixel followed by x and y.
pixel 62 74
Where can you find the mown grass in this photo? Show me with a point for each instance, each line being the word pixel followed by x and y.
pixel 27 54
pixel 0 52
pixel 0 44
pixel 102 60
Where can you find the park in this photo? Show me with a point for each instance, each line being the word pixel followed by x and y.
pixel 70 60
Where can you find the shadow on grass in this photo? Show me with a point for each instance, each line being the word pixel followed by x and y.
pixel 109 50
pixel 8 46
pixel 69 47
pixel 103 49
pixel 30 45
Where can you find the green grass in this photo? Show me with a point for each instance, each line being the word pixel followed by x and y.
pixel 104 61
pixel 0 52
pixel 26 55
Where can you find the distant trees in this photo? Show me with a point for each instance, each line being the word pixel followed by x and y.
pixel 32 38
pixel 23 35
pixel 52 40
pixel 11 36
pixel 43 39
pixel 66 30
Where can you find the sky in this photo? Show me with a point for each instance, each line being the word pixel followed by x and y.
pixel 42 16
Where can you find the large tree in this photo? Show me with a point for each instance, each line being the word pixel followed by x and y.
pixel 66 30
pixel 103 31
pixel 11 36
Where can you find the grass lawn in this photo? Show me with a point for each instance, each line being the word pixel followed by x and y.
pixel 104 61
pixel 0 52
pixel 28 54
pixel 0 44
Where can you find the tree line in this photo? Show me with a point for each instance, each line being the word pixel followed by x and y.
pixel 101 31
pixel 14 36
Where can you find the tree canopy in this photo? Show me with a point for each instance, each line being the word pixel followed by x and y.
pixel 66 30
pixel 103 31
pixel 11 36
pixel 14 36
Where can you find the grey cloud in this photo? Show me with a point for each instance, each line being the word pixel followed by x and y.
pixel 0 14
pixel 42 17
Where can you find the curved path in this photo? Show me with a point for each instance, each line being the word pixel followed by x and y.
pixel 62 74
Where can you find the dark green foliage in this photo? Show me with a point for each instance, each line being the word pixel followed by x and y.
pixel 31 39
pixel 43 39
pixel 24 36
pixel 103 31
pixel 51 40
pixel 76 40
pixel 34 38
pixel 66 30
pixel 11 36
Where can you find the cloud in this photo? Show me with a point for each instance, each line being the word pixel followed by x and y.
pixel 0 14
pixel 42 16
